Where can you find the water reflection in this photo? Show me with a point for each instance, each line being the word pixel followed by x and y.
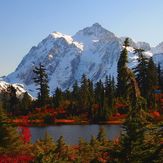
pixel 72 133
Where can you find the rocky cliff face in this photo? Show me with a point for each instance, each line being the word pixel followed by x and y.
pixel 93 51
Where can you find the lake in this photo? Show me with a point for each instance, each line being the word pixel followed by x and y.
pixel 72 133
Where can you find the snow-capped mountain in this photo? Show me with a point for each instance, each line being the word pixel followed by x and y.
pixel 93 51
pixel 158 49
pixel 20 90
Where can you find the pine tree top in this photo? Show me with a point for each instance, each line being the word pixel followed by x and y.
pixel 126 42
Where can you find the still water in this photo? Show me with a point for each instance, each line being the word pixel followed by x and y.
pixel 72 133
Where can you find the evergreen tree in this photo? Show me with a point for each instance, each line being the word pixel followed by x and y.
pixel 141 72
pixel 58 97
pixel 74 101
pixel 106 85
pixel 10 141
pixel 74 107
pixel 91 93
pixel 122 82
pixel 160 77
pixel 99 93
pixel 60 144
pixel 135 144
pixel 134 135
pixel 152 146
pixel 41 80
pixel 101 136
pixel 25 103
pixel 44 149
pixel 95 145
pixel 101 101
pixel 139 142
pixel 75 92
pixel 61 148
pixel 84 93
pixel 104 113
pixel 94 142
pixel 91 99
pixel 4 99
pixel 67 95
pixel 146 76
pixel 126 42
pixel 3 117
pixel 152 75
pixel 85 151
pixel 13 100
pixel 152 78
pixel 110 93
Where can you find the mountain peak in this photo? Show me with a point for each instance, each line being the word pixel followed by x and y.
pixel 96 25
pixel 94 32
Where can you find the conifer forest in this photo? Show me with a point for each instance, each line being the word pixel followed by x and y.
pixel 134 100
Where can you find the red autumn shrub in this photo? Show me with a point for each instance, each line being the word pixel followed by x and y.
pixel 25 134
pixel 155 114
pixel 16 159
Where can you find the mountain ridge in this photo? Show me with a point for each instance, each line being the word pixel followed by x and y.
pixel 93 50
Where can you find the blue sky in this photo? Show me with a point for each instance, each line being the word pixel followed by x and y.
pixel 24 23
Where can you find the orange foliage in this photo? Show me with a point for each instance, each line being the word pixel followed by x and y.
pixel 155 114
pixel 16 158
pixel 64 121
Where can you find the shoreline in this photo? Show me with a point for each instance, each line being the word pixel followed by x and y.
pixel 117 122
pixel 40 123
